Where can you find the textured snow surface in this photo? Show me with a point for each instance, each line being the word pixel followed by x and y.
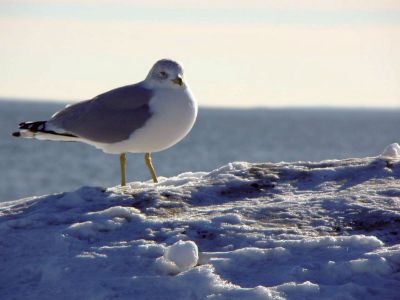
pixel 327 230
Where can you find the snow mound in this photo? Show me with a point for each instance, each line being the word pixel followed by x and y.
pixel 391 151
pixel 104 221
pixel 179 257
pixel 302 230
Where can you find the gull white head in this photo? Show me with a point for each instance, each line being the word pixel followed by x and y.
pixel 166 73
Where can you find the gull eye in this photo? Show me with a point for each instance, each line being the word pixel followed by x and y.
pixel 163 74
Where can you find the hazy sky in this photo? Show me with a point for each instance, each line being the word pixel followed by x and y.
pixel 245 53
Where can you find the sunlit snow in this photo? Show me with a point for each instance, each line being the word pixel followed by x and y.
pixel 326 230
pixel 391 151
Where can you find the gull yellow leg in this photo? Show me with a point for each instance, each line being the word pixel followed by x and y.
pixel 147 159
pixel 122 162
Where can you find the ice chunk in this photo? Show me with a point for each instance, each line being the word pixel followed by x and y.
pixel 183 254
pixel 179 257
pixel 391 151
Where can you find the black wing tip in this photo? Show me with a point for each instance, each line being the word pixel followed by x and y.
pixel 16 134
pixel 33 126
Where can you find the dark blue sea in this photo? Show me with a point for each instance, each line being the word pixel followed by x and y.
pixel 31 167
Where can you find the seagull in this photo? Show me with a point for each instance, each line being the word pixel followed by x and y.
pixel 145 117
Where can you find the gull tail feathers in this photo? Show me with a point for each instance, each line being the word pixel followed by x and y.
pixel 40 131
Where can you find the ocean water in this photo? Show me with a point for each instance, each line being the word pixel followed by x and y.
pixel 31 167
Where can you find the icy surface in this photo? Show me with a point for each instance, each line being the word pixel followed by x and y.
pixel 327 230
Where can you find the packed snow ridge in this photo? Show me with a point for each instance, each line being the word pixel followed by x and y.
pixel 327 230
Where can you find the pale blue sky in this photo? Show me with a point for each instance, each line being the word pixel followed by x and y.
pixel 250 53
pixel 208 14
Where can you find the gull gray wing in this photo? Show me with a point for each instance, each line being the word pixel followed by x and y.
pixel 108 118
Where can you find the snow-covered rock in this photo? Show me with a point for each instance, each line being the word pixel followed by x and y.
pixel 391 151
pixel 304 230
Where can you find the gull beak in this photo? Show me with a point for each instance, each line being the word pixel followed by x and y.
pixel 178 80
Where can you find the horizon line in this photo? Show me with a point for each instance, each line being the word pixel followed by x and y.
pixel 272 107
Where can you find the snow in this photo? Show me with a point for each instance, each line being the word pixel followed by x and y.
pixel 302 230
pixel 179 257
pixel 393 151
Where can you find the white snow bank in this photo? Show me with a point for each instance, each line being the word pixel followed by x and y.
pixel 391 151
pixel 304 230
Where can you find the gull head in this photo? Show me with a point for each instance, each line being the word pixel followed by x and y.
pixel 166 73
